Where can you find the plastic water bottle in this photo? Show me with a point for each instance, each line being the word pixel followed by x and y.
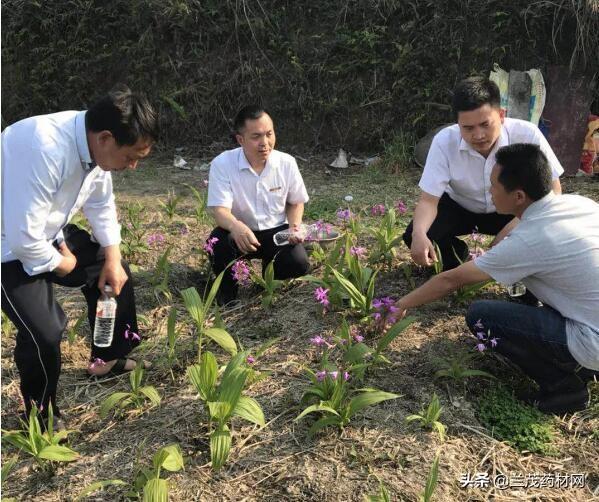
pixel 517 289
pixel 105 316
pixel 281 238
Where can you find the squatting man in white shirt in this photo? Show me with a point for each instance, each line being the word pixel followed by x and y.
pixel 455 198
pixel 554 251
pixel 52 166
pixel 254 191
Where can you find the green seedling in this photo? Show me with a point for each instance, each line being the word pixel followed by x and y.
pixel 429 417
pixel 136 398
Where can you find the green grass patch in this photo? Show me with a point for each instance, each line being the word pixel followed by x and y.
pixel 521 426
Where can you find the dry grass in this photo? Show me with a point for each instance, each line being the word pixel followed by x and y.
pixel 279 462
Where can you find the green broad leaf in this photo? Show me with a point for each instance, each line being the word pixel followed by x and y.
pixel 151 393
pixel 171 324
pixel 136 376
pixel 316 391
pixel 111 401
pixel 313 279
pixel 18 440
pixel 249 409
pixel 269 273
pixel 481 373
pixel 236 362
pixel 219 410
pixel 195 306
pixel 220 446
pixel 314 408
pixel 411 418
pixel 370 291
pixel 98 485
pixel 230 388
pixel 203 376
pixel 369 398
pixel 222 338
pixel 323 422
pixel 156 490
pixel 7 467
pixel 356 353
pixel 393 332
pixel 170 458
pixel 440 429
pixel 431 481
pixel 214 290
pixel 60 436
pixel 358 298
pixel 58 453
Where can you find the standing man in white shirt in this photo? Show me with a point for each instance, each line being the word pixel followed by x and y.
pixel 455 198
pixel 254 191
pixel 554 251
pixel 52 166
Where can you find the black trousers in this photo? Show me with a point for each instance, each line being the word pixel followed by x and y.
pixel 453 220
pixel 290 261
pixel 29 303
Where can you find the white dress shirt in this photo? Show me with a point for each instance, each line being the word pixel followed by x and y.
pixel 47 177
pixel 258 200
pixel 453 166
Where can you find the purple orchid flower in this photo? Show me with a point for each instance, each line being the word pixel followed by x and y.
pixel 400 207
pixel 321 375
pixel 241 273
pixel 128 333
pixel 209 245
pixel 321 296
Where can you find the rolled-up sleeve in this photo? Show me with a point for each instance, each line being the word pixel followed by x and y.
pixel 297 189
pixel 220 192
pixel 25 218
pixel 100 210
pixel 435 176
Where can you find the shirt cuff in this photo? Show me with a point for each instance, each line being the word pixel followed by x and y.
pixel 110 236
pixel 49 266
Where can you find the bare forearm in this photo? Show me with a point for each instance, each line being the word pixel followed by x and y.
pixel 424 215
pixel 295 213
pixel 224 218
pixel 433 289
pixel 112 253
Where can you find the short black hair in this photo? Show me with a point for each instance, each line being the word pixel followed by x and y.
pixel 249 112
pixel 524 166
pixel 127 115
pixel 474 92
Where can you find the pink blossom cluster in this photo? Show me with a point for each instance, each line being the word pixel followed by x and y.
pixel 355 334
pixel 241 273
pixel 385 311
pixel 209 245
pixel 321 295
pixel 321 375
pixel 129 334
pixel 156 238
pixel 358 251
pixel 378 210
pixel 400 207
pixel 344 214
pixel 485 340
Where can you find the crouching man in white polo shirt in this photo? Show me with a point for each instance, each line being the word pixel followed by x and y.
pixel 455 198
pixel 255 191
pixel 53 166
pixel 554 251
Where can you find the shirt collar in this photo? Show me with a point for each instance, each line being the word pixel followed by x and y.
pixel 272 161
pixel 82 147
pixel 538 206
pixel 503 140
